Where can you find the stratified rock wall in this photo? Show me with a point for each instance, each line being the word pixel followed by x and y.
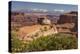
pixel 71 17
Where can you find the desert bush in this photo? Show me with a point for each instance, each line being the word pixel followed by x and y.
pixel 59 41
pixel 16 44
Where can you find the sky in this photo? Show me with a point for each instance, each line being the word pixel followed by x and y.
pixel 22 6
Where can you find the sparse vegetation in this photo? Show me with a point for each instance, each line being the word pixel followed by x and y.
pixel 16 44
pixel 58 41
pixel 45 28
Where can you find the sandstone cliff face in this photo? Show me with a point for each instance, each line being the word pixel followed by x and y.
pixel 68 18
pixel 71 17
pixel 32 32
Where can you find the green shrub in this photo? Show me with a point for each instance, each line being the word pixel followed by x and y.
pixel 16 44
pixel 58 41
pixel 53 42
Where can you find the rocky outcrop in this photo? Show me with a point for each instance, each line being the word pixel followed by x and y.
pixel 71 17
pixel 68 22
pixel 33 32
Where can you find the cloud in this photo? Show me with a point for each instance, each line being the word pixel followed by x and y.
pixel 60 10
pixel 36 9
pixel 44 10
